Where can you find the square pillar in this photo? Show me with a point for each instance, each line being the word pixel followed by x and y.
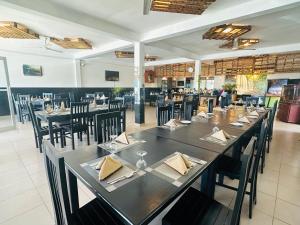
pixel 138 83
pixel 197 75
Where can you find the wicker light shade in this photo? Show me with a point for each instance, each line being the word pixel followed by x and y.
pixel 181 6
pixel 242 43
pixel 226 31
pixel 72 43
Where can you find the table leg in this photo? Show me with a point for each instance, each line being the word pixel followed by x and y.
pixel 51 132
pixel 208 180
pixel 73 191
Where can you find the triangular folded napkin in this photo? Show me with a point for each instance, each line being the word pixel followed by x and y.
pixel 244 120
pixel 107 167
pixel 62 107
pixel 103 97
pixel 49 109
pixel 221 135
pixel 171 123
pixel 202 114
pixel 180 163
pixel 253 113
pixel 122 138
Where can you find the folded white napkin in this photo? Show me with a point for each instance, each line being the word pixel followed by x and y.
pixel 180 163
pixel 253 113
pixel 103 97
pixel 202 114
pixel 171 123
pixel 220 135
pixel 122 138
pixel 244 120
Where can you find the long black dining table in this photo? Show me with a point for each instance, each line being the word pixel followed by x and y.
pixel 63 116
pixel 141 200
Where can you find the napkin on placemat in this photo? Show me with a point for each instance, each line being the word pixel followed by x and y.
pixel 171 123
pixel 103 97
pixel 123 139
pixel 221 135
pixel 244 120
pixel 202 114
pixel 253 113
pixel 180 163
pixel 49 109
pixel 107 167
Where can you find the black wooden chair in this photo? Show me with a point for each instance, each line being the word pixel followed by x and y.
pixel 72 97
pixel 164 114
pixel 195 208
pixel 114 105
pixel 47 95
pixel 187 110
pixel 272 115
pixel 87 99
pixel 79 121
pixel 160 100
pixel 56 103
pixel 129 102
pixel 93 213
pixel 195 103
pixel 23 101
pixel 41 131
pixel 232 168
pixel 108 124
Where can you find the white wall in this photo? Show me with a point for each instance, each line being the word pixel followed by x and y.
pixel 93 74
pixel 57 72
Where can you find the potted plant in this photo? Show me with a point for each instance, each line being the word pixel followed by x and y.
pixel 116 91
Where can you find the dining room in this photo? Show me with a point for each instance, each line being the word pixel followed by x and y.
pixel 160 112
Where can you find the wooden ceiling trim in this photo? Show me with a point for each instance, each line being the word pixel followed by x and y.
pixel 15 30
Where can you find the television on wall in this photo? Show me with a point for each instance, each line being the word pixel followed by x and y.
pixel 180 83
pixel 111 75
pixel 275 86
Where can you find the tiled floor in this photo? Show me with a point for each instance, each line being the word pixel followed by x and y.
pixel 25 198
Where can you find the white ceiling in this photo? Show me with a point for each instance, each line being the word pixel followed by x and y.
pixel 115 24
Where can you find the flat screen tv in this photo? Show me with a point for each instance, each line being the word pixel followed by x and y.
pixel 180 83
pixel 111 75
pixel 275 86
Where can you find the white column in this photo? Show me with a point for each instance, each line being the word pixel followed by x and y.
pixel 139 91
pixel 197 74
pixel 78 71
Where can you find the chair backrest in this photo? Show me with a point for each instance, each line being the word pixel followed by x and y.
pixel 47 95
pixel 72 97
pixel 33 119
pixel 247 160
pixel 261 144
pixel 160 100
pixel 272 114
pixel 57 102
pixel 164 114
pixel 123 119
pixel 115 105
pixel 87 99
pixel 187 110
pixel 55 169
pixel 89 95
pixel 79 113
pixel 108 124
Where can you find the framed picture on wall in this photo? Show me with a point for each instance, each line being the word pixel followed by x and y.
pixel 32 70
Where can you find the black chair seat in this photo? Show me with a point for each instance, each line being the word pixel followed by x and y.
pixel 229 166
pixel 93 213
pixel 77 127
pixel 45 129
pixel 195 208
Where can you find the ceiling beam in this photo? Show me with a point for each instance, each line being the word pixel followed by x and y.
pixel 168 61
pixel 60 13
pixel 242 11
pixel 180 52
pixel 116 45
pixel 260 51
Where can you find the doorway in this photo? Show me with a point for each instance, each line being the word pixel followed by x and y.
pixel 7 118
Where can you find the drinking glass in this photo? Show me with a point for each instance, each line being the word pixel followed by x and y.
pixel 113 144
pixel 141 163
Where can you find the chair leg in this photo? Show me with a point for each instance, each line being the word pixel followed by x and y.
pixel 36 141
pixel 268 149
pixel 251 198
pixel 40 144
pixel 73 141
pixel 56 137
pixel 88 136
pixel 91 126
pixel 62 139
pixel 80 135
